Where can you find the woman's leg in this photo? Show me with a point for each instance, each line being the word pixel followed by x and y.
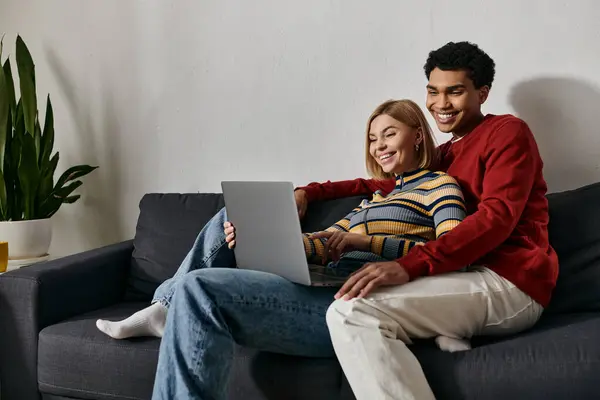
pixel 209 251
pixel 370 334
pixel 215 308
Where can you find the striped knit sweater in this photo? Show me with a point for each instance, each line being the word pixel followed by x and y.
pixel 423 206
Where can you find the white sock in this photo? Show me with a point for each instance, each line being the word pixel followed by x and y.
pixel 147 322
pixel 450 344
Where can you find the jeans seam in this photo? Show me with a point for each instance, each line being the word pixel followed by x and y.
pixel 211 254
pixel 241 301
pixel 165 300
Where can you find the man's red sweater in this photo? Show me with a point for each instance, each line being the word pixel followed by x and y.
pixel 499 169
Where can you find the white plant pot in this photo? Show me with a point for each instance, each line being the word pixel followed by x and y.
pixel 26 239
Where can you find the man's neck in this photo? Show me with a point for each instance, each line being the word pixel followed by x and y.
pixel 469 127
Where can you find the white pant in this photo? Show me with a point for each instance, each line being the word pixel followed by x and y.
pixel 370 334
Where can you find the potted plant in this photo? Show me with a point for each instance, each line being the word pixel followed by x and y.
pixel 29 196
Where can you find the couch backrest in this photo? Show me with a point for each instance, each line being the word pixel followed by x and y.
pixel 575 235
pixel 169 223
pixel 166 229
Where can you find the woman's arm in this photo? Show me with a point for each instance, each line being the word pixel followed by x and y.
pixel 315 247
pixel 446 206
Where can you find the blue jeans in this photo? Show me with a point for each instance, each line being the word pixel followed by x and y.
pixel 212 307
pixel 209 251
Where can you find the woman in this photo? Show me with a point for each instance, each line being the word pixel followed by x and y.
pixel 211 308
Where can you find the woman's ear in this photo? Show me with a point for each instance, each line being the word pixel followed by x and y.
pixel 419 136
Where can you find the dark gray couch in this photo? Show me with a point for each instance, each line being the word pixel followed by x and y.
pixel 50 347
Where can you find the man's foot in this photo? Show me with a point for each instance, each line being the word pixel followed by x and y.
pixel 446 343
pixel 147 322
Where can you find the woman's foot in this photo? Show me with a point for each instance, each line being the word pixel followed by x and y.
pixel 147 322
pixel 446 343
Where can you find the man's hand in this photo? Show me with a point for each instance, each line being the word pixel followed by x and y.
pixel 301 202
pixel 371 276
pixel 339 242
pixel 229 234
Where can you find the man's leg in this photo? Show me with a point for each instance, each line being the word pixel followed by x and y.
pixel 209 251
pixel 370 335
pixel 215 308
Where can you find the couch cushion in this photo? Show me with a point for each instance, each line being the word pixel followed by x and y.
pixel 76 360
pixel 166 229
pixel 297 378
pixel 574 219
pixel 575 235
pixel 322 214
pixel 558 359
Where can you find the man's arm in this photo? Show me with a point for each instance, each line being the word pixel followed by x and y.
pixel 512 162
pixel 334 190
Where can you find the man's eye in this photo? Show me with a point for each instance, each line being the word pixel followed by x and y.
pixel 432 93
pixel 457 93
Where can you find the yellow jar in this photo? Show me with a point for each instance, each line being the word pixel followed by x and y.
pixel 3 256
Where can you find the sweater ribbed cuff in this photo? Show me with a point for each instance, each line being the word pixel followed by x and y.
pixel 377 243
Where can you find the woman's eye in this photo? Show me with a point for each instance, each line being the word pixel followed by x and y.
pixel 390 134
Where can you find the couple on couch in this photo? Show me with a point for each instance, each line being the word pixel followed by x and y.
pixel 453 243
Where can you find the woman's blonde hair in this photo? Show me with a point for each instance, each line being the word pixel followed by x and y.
pixel 409 113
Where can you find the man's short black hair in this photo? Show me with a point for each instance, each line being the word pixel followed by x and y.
pixel 463 56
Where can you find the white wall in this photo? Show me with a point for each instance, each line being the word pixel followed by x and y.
pixel 175 96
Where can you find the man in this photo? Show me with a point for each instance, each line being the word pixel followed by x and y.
pixel 504 241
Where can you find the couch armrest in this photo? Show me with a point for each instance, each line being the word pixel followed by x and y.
pixel 34 297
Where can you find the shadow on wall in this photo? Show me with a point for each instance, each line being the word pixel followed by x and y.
pixel 563 115
pixel 99 220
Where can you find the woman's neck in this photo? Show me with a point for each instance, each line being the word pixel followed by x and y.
pixel 406 169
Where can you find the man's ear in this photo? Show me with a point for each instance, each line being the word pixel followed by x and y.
pixel 484 92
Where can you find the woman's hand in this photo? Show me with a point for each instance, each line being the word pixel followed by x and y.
pixel 371 276
pixel 339 242
pixel 229 234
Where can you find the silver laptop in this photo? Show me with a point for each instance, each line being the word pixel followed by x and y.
pixel 268 232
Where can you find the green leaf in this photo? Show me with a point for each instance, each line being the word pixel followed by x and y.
pixel 65 191
pixel 7 172
pixel 3 199
pixel 53 202
pixel 4 114
pixel 71 199
pixel 10 88
pixel 26 70
pixel 16 213
pixel 46 182
pixel 29 175
pixel 73 173
pixel 19 119
pixel 48 134
pixel 37 140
